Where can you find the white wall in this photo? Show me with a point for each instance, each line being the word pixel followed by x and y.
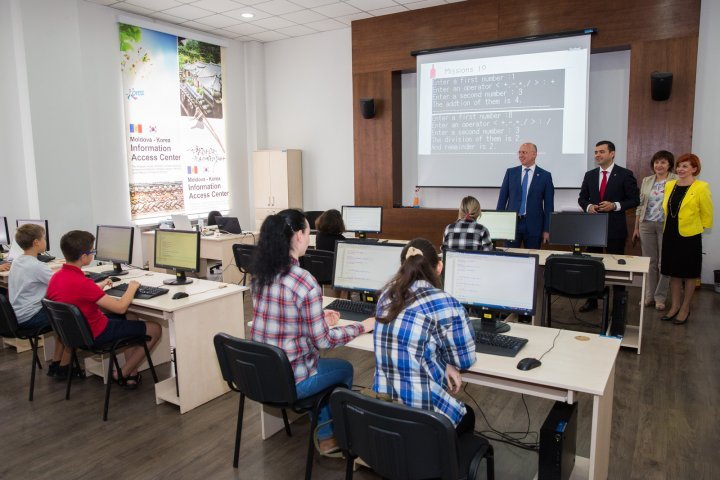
pixel 706 126
pixel 63 122
pixel 608 107
pixel 308 83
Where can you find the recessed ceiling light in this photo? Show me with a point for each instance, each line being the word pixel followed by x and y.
pixel 247 15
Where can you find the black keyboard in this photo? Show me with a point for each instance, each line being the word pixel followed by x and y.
pixel 96 277
pixel 350 310
pixel 496 344
pixel 143 293
pixel 45 258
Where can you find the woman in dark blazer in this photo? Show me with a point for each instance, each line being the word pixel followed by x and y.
pixel 688 211
pixel 330 229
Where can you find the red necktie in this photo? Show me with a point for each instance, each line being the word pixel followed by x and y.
pixel 603 184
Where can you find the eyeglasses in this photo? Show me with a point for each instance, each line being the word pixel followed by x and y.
pixel 91 252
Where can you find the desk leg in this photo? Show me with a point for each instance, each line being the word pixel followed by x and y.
pixel 271 420
pixel 601 427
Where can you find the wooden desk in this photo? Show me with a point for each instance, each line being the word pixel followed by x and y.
pixel 190 324
pixel 632 274
pixel 573 366
pixel 212 248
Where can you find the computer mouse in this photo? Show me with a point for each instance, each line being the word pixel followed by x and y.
pixel 528 363
pixel 179 295
pixel 622 261
pixel 115 279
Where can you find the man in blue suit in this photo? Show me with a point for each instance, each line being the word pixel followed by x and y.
pixel 528 190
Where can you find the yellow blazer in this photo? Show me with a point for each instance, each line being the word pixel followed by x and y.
pixel 696 209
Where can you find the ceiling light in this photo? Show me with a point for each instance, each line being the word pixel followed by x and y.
pixel 247 15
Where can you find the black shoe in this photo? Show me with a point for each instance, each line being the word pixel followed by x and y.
pixel 589 306
pixel 53 369
pixel 524 318
pixel 667 318
pixel 62 372
pixel 677 321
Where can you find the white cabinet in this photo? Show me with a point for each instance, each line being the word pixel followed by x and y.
pixel 277 176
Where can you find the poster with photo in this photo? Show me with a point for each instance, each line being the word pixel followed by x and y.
pixel 174 126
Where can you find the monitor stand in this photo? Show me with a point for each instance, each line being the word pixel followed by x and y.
pixel 487 323
pixel 116 271
pixel 180 279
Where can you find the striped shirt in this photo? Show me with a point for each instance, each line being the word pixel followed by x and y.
pixel 288 313
pixel 466 235
pixel 412 351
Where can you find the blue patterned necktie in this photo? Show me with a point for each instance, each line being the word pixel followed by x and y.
pixel 523 197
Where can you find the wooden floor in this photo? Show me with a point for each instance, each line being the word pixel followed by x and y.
pixel 665 419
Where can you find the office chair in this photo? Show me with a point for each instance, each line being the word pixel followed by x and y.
pixel 320 264
pixel 263 373
pixel 9 328
pixel 243 258
pixel 312 217
pixel 72 327
pixel 211 217
pixel 574 276
pixel 400 442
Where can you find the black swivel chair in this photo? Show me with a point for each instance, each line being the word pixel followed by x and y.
pixel 9 328
pixel 263 373
pixel 400 442
pixel 72 327
pixel 574 276
pixel 243 258
pixel 312 217
pixel 320 264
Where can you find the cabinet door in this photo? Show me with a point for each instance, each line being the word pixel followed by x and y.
pixel 261 179
pixel 278 180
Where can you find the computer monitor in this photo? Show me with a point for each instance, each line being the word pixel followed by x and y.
pixel 228 224
pixel 492 282
pixel 362 220
pixel 4 233
pixel 579 229
pixel 114 244
pixel 500 224
pixel 178 250
pixel 181 222
pixel 42 223
pixel 365 267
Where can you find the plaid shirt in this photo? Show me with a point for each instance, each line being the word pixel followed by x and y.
pixel 466 235
pixel 288 313
pixel 412 351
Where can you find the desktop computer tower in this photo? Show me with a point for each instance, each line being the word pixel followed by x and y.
pixel 619 312
pixel 557 442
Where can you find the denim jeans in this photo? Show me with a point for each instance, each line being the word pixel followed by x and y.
pixel 330 371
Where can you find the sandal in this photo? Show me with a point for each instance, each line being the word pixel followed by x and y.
pixel 133 381
pixel 659 306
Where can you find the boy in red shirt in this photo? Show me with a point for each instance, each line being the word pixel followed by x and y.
pixel 69 285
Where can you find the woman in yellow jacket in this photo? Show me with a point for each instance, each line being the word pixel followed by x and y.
pixel 688 211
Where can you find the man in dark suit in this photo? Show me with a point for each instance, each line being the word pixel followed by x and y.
pixel 528 190
pixel 609 189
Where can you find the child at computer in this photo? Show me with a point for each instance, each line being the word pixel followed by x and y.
pixel 288 313
pixel 28 281
pixel 423 338
pixel 69 285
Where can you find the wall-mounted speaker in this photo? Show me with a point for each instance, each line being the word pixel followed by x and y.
pixel 367 107
pixel 661 85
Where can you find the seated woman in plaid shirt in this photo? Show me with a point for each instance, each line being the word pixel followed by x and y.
pixel 422 338
pixel 466 233
pixel 288 313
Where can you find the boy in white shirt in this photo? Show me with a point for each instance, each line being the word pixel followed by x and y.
pixel 28 282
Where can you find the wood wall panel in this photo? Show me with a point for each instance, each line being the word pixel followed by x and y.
pixel 662 35
pixel 665 125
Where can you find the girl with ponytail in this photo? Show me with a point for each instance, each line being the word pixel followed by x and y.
pixel 423 338
pixel 466 233
pixel 288 313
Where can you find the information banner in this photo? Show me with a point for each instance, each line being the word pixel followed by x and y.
pixel 174 126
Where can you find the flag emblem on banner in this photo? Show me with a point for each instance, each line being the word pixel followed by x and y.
pixel 135 128
pixel 191 170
